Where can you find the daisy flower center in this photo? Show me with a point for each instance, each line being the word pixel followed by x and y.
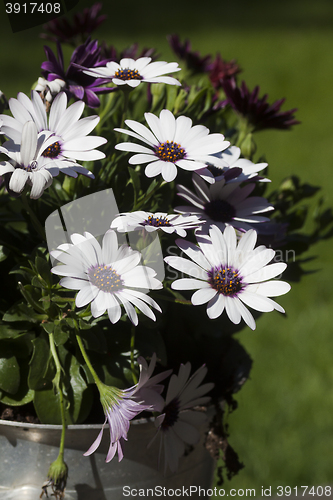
pixel 170 151
pixel 156 221
pixel 127 74
pixel 225 280
pixel 52 151
pixel 105 278
pixel 220 210
pixel 171 414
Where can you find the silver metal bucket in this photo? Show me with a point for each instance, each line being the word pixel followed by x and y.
pixel 27 450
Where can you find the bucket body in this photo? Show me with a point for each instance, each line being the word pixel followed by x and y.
pixel 27 451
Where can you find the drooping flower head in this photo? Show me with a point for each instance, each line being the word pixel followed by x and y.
pixel 106 276
pixel 224 203
pixel 83 24
pixel 179 422
pixel 132 72
pixel 174 223
pixel 172 142
pixel 70 142
pixel 78 85
pixel 259 113
pixel 229 276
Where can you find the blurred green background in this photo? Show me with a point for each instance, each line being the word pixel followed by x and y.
pixel 282 430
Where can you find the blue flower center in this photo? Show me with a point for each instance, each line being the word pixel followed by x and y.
pixel 127 74
pixel 220 210
pixel 170 151
pixel 156 221
pixel 225 280
pixel 105 278
pixel 52 151
pixel 171 414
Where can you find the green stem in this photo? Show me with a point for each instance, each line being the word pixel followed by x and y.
pixel 85 357
pixel 135 379
pixel 57 382
pixel 35 222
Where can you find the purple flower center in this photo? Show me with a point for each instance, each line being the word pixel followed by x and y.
pixel 171 414
pixel 105 278
pixel 220 210
pixel 127 74
pixel 52 151
pixel 225 280
pixel 169 151
pixel 156 221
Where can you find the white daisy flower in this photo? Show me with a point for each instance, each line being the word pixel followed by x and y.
pixel 174 223
pixel 178 424
pixel 230 166
pixel 132 72
pixel 224 204
pixel 172 142
pixel 227 275
pixel 72 143
pixel 106 276
pixel 48 90
pixel 27 165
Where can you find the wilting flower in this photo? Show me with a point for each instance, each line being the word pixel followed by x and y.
pixel 228 275
pixel 258 111
pixel 221 70
pixel 193 60
pixel 173 142
pixel 178 424
pixel 27 164
pixel 106 276
pixel 48 90
pixel 229 166
pixel 78 85
pixel 71 141
pixel 84 23
pixel 132 72
pixel 121 406
pixel 224 203
pixel 174 223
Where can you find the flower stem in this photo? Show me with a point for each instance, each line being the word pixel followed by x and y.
pixel 57 382
pixel 85 356
pixel 135 379
pixel 35 222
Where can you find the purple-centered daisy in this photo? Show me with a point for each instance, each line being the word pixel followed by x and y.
pixel 259 113
pixel 78 85
pixel 229 166
pixel 106 276
pixel 229 276
pixel 224 203
pixel 178 424
pixel 174 223
pixel 172 142
pixel 64 124
pixel 132 72
pixel 27 164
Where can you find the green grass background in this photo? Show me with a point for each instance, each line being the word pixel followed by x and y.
pixel 283 427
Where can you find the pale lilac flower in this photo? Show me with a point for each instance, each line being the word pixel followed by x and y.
pixel 179 422
pixel 72 142
pixel 174 223
pixel 149 388
pixel 229 276
pixel 170 143
pixel 132 72
pixel 224 203
pixel 106 276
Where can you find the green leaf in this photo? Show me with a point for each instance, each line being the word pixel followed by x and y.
pixel 135 178
pixel 44 269
pixel 23 312
pixel 60 333
pixel 11 331
pixel 82 395
pixel 38 363
pixel 4 252
pixel 47 406
pixel 9 374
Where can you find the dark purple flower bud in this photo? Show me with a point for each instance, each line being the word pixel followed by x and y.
pixel 222 70
pixel 194 61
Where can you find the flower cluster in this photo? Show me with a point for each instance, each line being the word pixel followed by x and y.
pixel 133 262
